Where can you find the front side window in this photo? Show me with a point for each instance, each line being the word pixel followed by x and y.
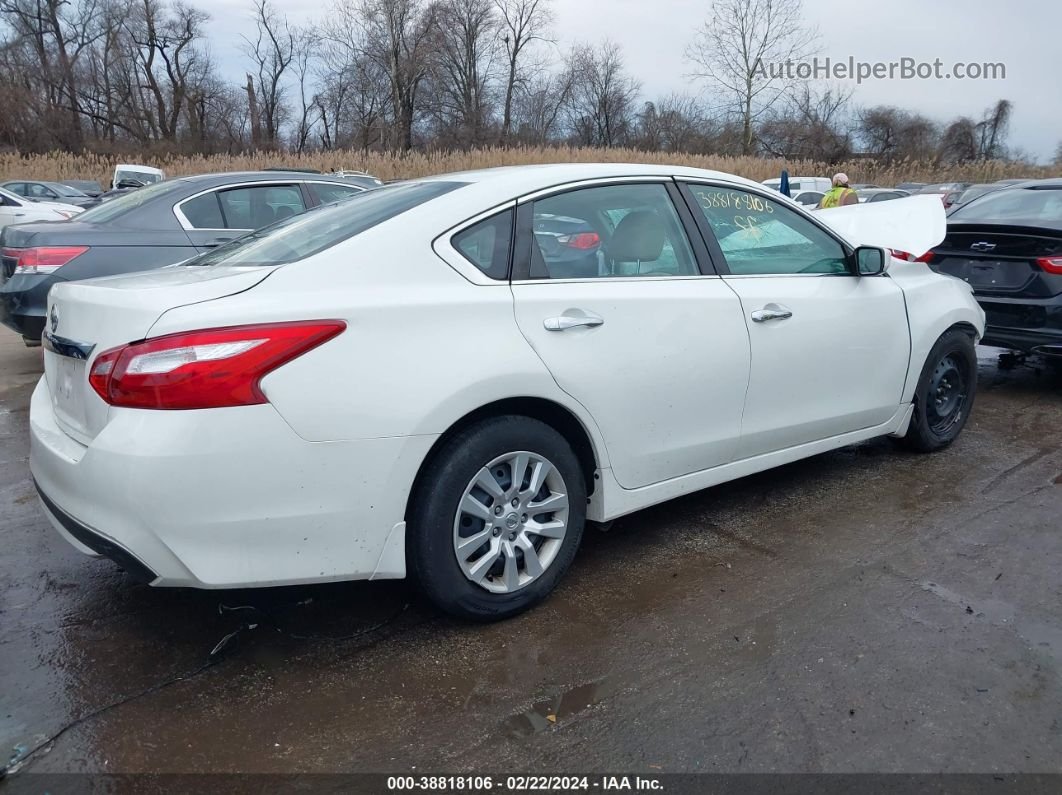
pixel 609 231
pixel 758 235
pixel 486 244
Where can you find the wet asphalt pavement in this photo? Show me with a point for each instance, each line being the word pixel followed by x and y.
pixel 865 610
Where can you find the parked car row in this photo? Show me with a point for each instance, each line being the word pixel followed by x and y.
pixel 164 223
pixel 809 191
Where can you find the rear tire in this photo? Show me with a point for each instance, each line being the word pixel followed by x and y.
pixel 945 393
pixel 496 518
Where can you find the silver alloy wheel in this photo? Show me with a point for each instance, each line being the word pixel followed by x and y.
pixel 511 522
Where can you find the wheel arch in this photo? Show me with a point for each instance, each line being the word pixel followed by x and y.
pixel 548 411
pixel 923 341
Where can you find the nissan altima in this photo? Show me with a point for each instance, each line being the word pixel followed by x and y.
pixel 410 383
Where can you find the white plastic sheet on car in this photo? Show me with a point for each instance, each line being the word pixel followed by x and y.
pixel 914 224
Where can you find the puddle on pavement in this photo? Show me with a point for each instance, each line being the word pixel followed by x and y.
pixel 547 714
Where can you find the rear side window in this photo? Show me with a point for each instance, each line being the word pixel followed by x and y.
pixel 607 232
pixel 204 212
pixel 316 230
pixel 487 244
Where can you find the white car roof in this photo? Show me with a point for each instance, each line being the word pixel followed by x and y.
pixel 135 167
pixel 512 181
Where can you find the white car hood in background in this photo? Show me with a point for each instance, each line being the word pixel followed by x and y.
pixel 914 224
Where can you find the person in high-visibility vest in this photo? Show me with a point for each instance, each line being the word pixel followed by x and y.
pixel 840 194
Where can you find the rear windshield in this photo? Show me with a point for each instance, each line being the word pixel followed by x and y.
pixel 304 235
pixel 64 190
pixel 120 205
pixel 1018 206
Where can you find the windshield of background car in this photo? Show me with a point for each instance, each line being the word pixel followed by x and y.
pixel 321 228
pixel 1019 206
pixel 113 208
pixel 140 176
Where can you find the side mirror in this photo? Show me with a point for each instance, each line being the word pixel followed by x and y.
pixel 871 260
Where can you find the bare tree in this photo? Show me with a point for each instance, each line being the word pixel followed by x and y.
pixel 303 64
pixel 465 39
pixel 958 144
pixel 537 106
pixel 892 133
pixel 523 23
pixel 271 50
pixel 813 125
pixel 675 123
pixel 602 95
pixel 992 131
pixel 398 37
pixel 742 48
pixel 170 61
pixel 1058 155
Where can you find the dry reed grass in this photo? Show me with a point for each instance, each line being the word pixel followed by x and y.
pixel 389 165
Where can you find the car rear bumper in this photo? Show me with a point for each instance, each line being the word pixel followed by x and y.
pixel 225 498
pixel 24 303
pixel 1031 325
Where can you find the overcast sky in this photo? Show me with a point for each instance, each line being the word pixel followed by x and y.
pixel 654 33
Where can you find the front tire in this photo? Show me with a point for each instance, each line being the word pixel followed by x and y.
pixel 496 518
pixel 945 393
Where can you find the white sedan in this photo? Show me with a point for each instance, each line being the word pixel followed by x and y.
pixel 16 209
pixel 447 378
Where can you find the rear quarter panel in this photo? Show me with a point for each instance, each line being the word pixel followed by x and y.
pixel 423 346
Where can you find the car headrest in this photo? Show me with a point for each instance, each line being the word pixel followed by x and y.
pixel 639 237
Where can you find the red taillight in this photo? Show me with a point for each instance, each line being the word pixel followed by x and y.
pixel 582 240
pixel 43 259
pixel 1051 264
pixel 927 257
pixel 205 369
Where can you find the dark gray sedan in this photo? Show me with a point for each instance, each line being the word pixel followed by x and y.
pixel 48 192
pixel 158 225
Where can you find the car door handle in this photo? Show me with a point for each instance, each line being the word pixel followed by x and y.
pixel 565 322
pixel 771 312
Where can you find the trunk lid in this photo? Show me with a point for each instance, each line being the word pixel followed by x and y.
pixel 87 318
pixel 80 233
pixel 1000 260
